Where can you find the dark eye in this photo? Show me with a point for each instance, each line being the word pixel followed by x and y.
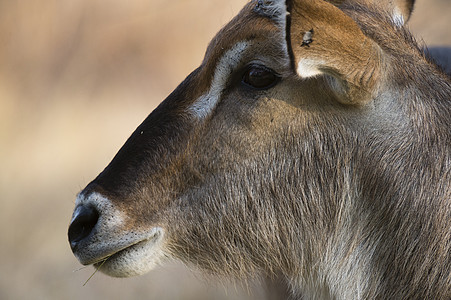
pixel 260 77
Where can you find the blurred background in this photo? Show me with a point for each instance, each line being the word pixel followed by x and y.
pixel 76 78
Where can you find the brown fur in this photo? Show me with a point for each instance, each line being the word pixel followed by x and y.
pixel 405 7
pixel 335 186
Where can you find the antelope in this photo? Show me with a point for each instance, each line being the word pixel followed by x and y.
pixel 324 167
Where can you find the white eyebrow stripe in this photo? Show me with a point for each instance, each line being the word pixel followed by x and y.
pixel 206 103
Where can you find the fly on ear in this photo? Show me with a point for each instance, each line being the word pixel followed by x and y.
pixel 307 38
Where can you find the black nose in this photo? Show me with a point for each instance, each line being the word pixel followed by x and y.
pixel 85 219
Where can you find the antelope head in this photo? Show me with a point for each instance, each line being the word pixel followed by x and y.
pixel 285 152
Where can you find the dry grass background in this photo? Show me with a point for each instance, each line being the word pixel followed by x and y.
pixel 76 78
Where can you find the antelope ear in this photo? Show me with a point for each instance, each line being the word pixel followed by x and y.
pixel 324 40
pixel 400 10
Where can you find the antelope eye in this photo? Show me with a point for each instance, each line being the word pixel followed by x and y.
pixel 260 77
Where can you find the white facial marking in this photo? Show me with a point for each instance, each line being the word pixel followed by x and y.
pixel 309 68
pixel 228 62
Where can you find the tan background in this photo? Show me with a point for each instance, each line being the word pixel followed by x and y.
pixel 76 78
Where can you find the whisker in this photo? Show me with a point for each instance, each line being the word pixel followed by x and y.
pixel 96 270
pixel 84 267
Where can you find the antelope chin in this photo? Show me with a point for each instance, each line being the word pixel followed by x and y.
pixel 136 259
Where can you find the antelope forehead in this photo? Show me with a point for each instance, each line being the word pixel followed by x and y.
pixel 229 61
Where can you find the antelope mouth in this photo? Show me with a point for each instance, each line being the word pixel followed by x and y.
pixel 99 236
pixel 122 252
pixel 135 259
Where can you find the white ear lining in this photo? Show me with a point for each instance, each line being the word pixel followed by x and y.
pixel 308 68
pixel 398 17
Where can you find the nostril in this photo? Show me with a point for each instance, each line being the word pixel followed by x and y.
pixel 84 221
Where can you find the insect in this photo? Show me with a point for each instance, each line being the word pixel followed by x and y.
pixel 307 38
